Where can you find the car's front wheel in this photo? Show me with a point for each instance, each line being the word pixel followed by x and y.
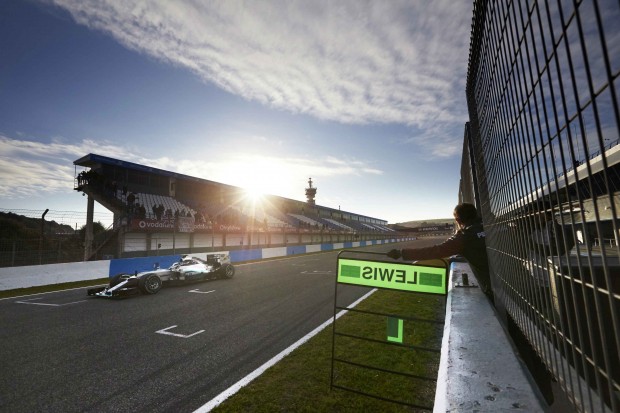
pixel 150 284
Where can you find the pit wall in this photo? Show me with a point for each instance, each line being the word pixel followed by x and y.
pixel 37 275
pixel 479 369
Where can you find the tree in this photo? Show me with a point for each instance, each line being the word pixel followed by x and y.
pixel 98 228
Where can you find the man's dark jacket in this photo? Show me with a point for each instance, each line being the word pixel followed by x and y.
pixel 468 242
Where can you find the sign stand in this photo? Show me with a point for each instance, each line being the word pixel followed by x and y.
pixel 410 278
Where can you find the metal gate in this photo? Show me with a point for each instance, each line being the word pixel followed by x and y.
pixel 391 343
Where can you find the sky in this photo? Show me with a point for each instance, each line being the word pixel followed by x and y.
pixel 367 98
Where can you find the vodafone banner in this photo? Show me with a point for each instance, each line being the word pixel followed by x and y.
pixel 185 224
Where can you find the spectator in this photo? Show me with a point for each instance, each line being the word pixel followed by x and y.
pixel 131 198
pixel 81 178
pixel 468 241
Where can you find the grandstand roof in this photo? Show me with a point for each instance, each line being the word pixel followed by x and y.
pixel 92 160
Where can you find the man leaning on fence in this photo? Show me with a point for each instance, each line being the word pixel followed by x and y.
pixel 468 241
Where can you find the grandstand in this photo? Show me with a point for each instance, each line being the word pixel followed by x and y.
pixel 151 201
pixel 158 211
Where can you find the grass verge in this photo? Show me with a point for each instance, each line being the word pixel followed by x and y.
pixel 301 381
pixel 18 292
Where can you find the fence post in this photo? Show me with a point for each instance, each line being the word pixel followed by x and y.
pixel 42 236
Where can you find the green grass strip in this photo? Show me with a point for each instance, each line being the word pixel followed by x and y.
pixel 301 381
pixel 18 292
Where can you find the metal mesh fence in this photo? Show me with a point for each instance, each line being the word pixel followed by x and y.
pixel 28 239
pixel 542 143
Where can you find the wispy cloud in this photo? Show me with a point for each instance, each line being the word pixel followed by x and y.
pixel 356 61
pixel 31 168
pixel 439 142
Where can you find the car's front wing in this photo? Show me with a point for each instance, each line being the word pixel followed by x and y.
pixel 122 289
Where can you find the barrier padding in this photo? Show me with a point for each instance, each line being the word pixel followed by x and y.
pixel 246 255
pixel 274 252
pixel 36 275
pixel 133 265
pixel 296 249
pixel 313 248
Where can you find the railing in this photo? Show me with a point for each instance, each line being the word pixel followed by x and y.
pixel 542 141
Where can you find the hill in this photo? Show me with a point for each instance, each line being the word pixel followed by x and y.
pixel 13 226
pixel 32 241
pixel 426 223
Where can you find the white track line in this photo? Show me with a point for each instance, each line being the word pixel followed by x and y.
pixel 220 398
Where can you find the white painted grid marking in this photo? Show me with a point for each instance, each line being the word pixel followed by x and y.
pixel 316 272
pixel 46 304
pixel 167 333
pixel 220 398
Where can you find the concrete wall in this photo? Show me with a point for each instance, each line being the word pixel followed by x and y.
pixel 479 368
pixel 38 275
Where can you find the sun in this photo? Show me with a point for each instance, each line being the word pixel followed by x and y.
pixel 254 195
pixel 257 177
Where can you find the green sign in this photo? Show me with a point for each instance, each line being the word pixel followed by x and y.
pixel 395 276
pixel 395 330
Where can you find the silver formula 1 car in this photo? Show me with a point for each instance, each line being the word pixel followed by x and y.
pixel 189 268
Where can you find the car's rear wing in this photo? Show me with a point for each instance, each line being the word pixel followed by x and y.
pixel 223 257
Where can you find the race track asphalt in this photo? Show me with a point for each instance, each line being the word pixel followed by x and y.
pixel 173 351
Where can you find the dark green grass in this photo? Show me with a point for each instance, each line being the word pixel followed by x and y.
pixel 18 292
pixel 301 381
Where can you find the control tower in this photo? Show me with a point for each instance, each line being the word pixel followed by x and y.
pixel 310 192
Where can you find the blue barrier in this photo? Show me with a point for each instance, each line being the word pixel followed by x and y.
pixel 131 265
pixel 296 249
pixel 246 255
pixel 36 275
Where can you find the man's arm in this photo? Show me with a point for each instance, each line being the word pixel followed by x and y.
pixel 451 246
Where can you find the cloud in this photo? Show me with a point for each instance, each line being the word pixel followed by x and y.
pixel 439 141
pixel 356 61
pixel 30 168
